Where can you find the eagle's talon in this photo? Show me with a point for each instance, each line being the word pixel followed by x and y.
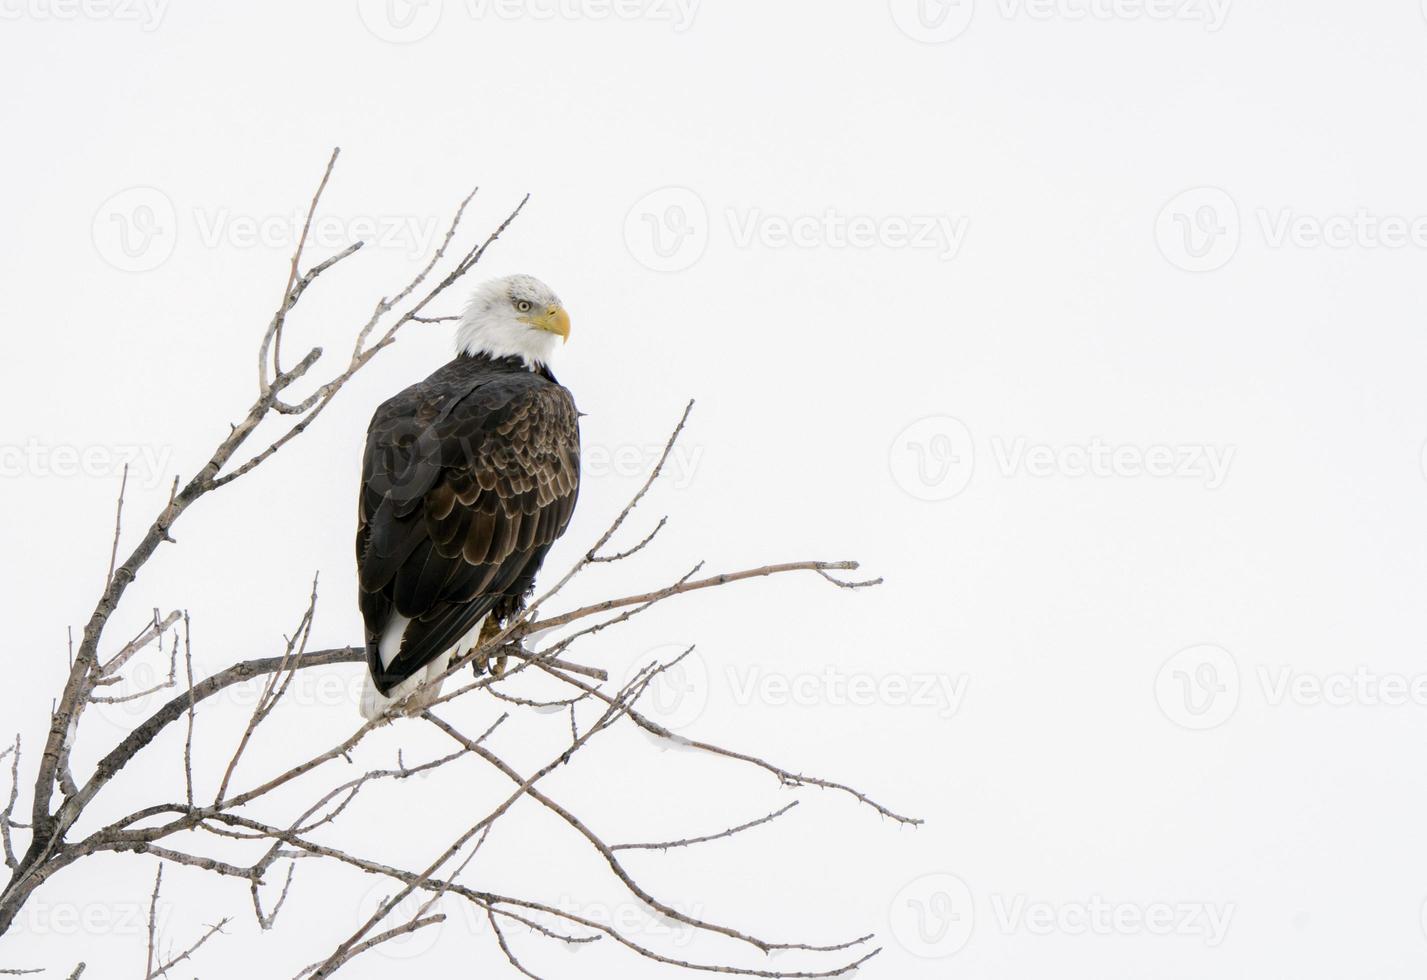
pixel 487 661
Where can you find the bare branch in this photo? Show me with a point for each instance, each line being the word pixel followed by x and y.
pixel 268 920
pixel 118 526
pixel 192 706
pixel 154 631
pixel 596 673
pixel 505 947
pixel 666 845
pixel 153 920
pixel 683 586
pixel 340 955
pixel 605 851
pixel 374 942
pixel 273 335
pixel 271 696
pixel 162 969
pixel 649 482
pixel 620 556
pixel 785 777
pixel 7 815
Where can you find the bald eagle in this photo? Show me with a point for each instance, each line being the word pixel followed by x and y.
pixel 467 480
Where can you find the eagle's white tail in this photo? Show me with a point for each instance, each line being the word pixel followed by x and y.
pixel 374 703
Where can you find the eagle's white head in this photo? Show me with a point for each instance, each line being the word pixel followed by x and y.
pixel 518 316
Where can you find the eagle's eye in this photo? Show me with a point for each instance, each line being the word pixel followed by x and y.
pixel 522 305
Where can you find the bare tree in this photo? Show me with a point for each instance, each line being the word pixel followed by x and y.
pixel 196 826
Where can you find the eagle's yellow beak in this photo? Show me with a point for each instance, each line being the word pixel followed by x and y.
pixel 555 320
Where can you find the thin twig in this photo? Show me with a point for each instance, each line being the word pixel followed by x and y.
pixel 118 527
pixel 153 923
pixel 192 707
pixel 272 692
pixel 7 815
pixel 162 969
pixel 666 845
pixel 274 331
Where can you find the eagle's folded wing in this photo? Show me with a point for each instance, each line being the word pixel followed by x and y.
pixel 463 492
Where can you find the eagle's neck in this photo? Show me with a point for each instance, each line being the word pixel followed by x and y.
pixel 497 336
pixel 511 364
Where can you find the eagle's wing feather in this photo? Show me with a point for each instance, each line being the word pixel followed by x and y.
pixel 465 485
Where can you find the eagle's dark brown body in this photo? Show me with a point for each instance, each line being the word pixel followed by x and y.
pixel 468 478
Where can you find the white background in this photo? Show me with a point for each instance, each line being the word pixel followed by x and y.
pixel 980 422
